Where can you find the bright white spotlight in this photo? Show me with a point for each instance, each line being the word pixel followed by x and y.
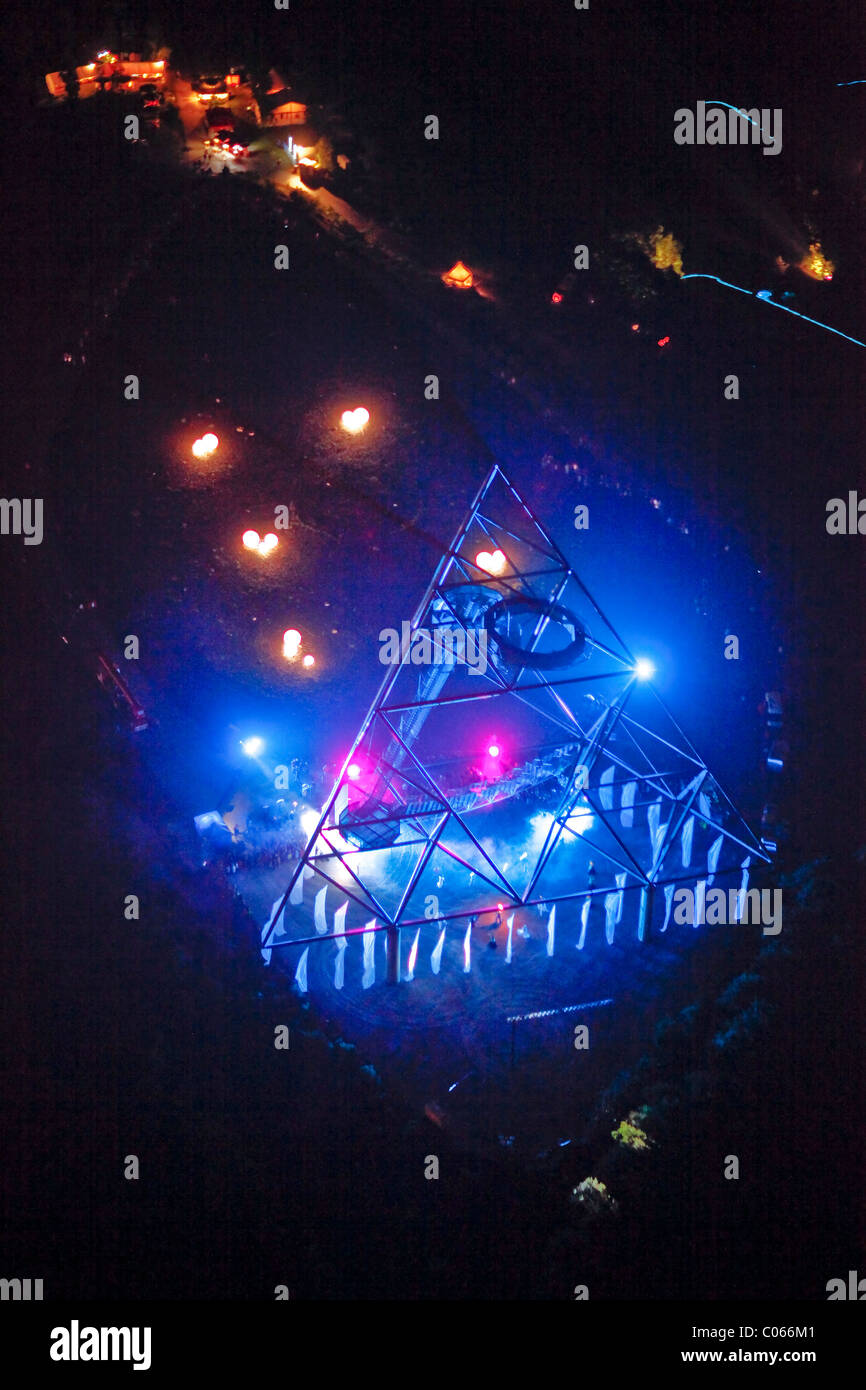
pixel 253 746
pixel 355 420
pixel 199 449
pixel 353 772
pixel 291 643
pixel 580 820
pixel 309 660
pixel 251 540
pixel 493 562
pixel 268 543
pixel 210 442
pixel 644 669
pixel 309 820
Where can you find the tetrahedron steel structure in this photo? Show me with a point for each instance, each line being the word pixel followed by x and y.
pixel 514 758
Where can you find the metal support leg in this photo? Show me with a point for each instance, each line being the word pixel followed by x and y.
pixel 645 912
pixel 392 955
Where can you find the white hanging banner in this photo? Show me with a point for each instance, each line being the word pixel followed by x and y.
pixel 296 897
pixel 341 804
pixel 301 972
pixel 584 918
pixel 340 965
pixel 369 939
pixel 508 944
pixel 658 841
pixel 413 956
pixel 280 927
pixel 319 912
pixel 610 916
pixel 605 790
pixel 436 953
pixel 744 885
pixel 467 950
pixel 713 857
pixel 266 950
pixel 626 815
pixel 620 883
pixel 687 837
pixel 342 943
pixel 653 815
pixel 551 930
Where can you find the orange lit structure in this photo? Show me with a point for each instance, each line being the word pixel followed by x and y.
pixel 289 113
pixel 126 74
pixel 459 277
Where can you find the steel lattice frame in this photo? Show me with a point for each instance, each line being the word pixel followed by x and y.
pixel 412 809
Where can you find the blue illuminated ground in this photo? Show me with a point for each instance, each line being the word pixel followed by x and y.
pixel 671 574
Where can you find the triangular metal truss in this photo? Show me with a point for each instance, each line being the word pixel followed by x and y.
pixel 513 757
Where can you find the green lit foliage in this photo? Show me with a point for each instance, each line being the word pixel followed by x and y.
pixel 663 249
pixel 323 153
pixel 593 1199
pixel 629 1131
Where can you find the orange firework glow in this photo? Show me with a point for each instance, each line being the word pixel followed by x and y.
pixel 816 264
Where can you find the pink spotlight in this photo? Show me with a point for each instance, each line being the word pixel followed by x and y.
pixel 353 772
pixel 494 750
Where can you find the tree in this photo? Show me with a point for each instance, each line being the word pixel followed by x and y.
pixel 323 154
pixel 663 249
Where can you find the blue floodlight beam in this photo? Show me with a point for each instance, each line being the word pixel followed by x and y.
pixel 695 275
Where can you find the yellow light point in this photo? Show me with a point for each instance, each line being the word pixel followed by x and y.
pixel 200 449
pixel 269 543
pixel 210 442
pixel 251 540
